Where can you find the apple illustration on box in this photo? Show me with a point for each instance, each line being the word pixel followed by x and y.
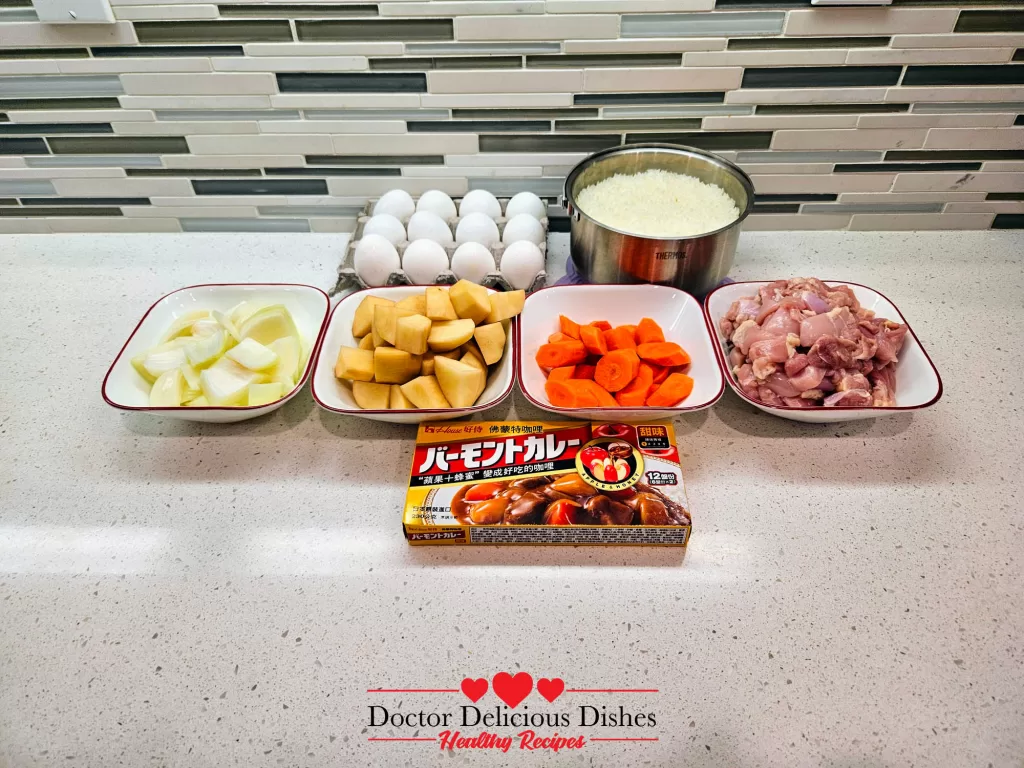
pixel 602 466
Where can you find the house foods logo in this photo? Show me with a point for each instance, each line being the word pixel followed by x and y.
pixel 511 725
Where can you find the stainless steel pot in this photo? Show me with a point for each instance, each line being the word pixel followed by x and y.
pixel 695 264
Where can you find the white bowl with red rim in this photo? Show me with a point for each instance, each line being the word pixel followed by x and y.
pixel 126 390
pixel 335 395
pixel 677 312
pixel 918 384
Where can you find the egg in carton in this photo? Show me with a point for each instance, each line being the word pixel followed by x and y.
pixel 479 206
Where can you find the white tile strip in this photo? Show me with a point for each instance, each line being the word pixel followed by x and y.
pixel 199 84
pixel 489 81
pixel 870 21
pixel 291 64
pixel 646 45
pixel 912 221
pixel 168 12
pixel 605 80
pixel 28 34
pixel 311 144
pixel 849 139
pixel 462 8
pixel 547 27
pixel 968 138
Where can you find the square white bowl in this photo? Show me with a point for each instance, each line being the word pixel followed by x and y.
pixel 125 389
pixel 918 384
pixel 334 395
pixel 677 312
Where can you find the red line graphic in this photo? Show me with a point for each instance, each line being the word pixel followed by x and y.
pixel 412 690
pixel 623 739
pixel 611 690
pixel 431 738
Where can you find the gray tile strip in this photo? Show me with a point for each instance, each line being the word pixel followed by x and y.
pixel 61 85
pixel 874 208
pixel 809 157
pixel 244 225
pixel 260 187
pixel 90 161
pixel 702 24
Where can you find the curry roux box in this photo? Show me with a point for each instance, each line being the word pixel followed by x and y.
pixel 520 482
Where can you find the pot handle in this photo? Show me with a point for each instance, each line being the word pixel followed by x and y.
pixel 573 212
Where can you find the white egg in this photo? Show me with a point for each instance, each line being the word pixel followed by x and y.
pixel 387 226
pixel 425 225
pixel 480 201
pixel 526 202
pixel 423 261
pixel 436 201
pixel 477 228
pixel 521 262
pixel 473 262
pixel 397 202
pixel 375 259
pixel 522 227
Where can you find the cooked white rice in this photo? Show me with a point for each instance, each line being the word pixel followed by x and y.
pixel 658 203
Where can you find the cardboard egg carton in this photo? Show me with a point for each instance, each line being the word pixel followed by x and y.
pixel 347 277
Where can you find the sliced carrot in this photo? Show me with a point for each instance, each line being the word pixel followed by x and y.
pixel 602 395
pixel 632 330
pixel 593 340
pixel 584 372
pixel 676 388
pixel 666 353
pixel 585 397
pixel 560 393
pixel 561 353
pixel 620 338
pixel 568 327
pixel 558 336
pixel 604 325
pixel 658 372
pixel 617 369
pixel 648 331
pixel 563 373
pixel 635 394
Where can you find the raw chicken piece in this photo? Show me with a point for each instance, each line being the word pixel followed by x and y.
pixel 777 349
pixel 835 322
pixel 796 363
pixel 832 353
pixel 852 398
pixel 763 368
pixel 809 378
pixel 745 376
pixel 780 384
pixel 883 393
pixel 849 380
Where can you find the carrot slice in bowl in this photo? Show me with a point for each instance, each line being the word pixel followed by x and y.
pixel 666 353
pixel 593 339
pixel 617 369
pixel 676 388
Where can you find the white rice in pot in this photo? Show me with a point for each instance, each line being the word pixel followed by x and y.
pixel 658 203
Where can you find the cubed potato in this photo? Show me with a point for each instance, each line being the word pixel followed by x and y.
pixel 427 365
pixel 366 342
pixel 417 304
pixel 392 366
pixel 354 364
pixel 450 335
pixel 439 304
pixel 363 320
pixel 371 396
pixel 399 402
pixel 411 334
pixel 385 323
pixel 470 300
pixel 490 339
pixel 505 305
pixel 461 383
pixel 470 359
pixel 415 366
pixel 425 392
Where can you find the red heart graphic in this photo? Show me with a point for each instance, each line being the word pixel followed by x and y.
pixel 550 689
pixel 474 689
pixel 512 690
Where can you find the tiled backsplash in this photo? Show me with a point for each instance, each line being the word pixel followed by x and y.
pixel 247 116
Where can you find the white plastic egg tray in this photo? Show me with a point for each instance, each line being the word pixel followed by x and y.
pixel 347 277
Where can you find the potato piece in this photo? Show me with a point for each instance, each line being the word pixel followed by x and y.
pixel 490 339
pixel 417 304
pixel 385 321
pixel 470 300
pixel 411 334
pixel 371 396
pixel 439 304
pixel 366 342
pixel 505 305
pixel 460 383
pixel 450 335
pixel 363 319
pixel 415 366
pixel 354 364
pixel 427 365
pixel 399 402
pixel 425 392
pixel 392 366
pixel 470 359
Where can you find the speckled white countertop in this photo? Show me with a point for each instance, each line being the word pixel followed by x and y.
pixel 176 594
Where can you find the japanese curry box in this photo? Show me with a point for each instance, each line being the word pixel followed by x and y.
pixel 485 482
